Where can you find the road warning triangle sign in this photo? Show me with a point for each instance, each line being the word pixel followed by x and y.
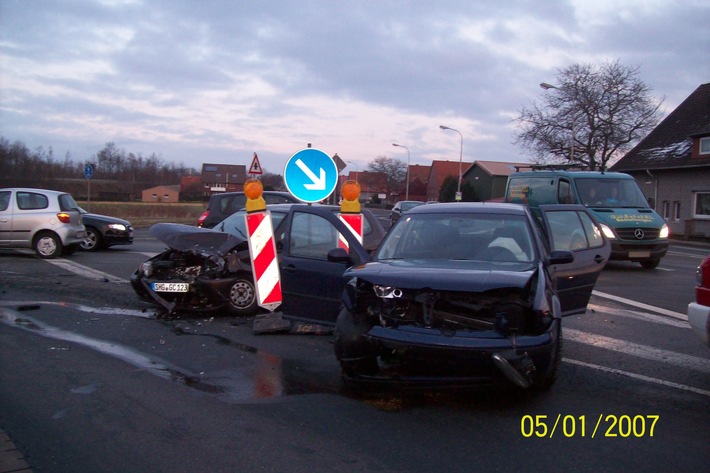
pixel 255 167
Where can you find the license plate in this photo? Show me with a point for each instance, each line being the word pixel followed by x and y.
pixel 639 254
pixel 170 286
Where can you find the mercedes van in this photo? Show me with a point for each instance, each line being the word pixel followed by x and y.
pixel 636 231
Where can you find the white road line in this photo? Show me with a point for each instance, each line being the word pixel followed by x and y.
pixel 85 271
pixel 641 305
pixel 638 315
pixel 642 351
pixel 641 377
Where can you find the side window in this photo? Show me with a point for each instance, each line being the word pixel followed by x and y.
pixel 312 236
pixel 31 201
pixel 4 200
pixel 564 192
pixel 571 230
pixel 238 203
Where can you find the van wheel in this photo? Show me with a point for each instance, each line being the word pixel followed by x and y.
pixel 47 245
pixel 650 263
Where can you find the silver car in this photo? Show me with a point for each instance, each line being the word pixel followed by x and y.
pixel 47 221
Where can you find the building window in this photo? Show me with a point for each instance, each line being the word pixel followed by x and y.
pixel 676 211
pixel 701 209
pixel 666 209
pixel 705 145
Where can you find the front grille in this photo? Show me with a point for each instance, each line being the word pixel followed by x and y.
pixel 637 234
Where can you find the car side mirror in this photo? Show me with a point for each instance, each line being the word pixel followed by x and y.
pixel 560 257
pixel 339 255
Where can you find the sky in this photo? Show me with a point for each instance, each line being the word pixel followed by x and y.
pixel 215 81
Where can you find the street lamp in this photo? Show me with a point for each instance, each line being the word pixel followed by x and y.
pixel 458 189
pixel 406 194
pixel 547 86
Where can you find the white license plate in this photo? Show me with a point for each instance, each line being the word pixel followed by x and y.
pixel 639 254
pixel 170 286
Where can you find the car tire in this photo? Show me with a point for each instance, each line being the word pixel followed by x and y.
pixel 70 249
pixel 93 240
pixel 354 354
pixel 242 297
pixel 47 245
pixel 650 263
pixel 545 380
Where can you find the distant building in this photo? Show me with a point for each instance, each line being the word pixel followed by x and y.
pixel 439 171
pixel 163 194
pixel 489 178
pixel 372 184
pixel 217 178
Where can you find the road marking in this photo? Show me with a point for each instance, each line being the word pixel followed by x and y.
pixel 85 271
pixel 642 351
pixel 640 377
pixel 633 314
pixel 641 305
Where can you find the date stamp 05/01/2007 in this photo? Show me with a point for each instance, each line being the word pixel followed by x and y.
pixel 605 425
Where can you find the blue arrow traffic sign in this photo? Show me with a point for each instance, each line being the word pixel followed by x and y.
pixel 88 171
pixel 310 175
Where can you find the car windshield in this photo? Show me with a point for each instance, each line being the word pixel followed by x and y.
pixel 457 236
pixel 236 224
pixel 606 192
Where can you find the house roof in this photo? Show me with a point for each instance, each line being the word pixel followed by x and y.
pixel 419 171
pixel 497 168
pixel 443 169
pixel 669 145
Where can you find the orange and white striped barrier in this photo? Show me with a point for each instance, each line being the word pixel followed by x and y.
pixel 262 248
pixel 350 212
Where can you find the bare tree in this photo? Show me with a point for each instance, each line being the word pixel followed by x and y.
pixel 394 170
pixel 591 116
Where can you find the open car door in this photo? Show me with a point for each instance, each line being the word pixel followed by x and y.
pixel 311 272
pixel 573 228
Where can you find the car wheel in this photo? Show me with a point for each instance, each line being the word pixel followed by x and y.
pixel 47 245
pixel 650 263
pixel 545 380
pixel 93 241
pixel 355 355
pixel 70 249
pixel 242 297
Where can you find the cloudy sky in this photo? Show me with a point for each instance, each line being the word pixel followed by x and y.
pixel 215 81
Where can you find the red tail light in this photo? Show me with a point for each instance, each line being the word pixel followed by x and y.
pixel 64 217
pixel 202 218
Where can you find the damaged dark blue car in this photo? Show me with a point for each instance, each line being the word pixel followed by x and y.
pixel 468 293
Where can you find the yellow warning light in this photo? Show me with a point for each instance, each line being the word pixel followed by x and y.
pixel 350 192
pixel 253 189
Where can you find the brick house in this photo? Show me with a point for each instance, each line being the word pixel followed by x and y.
pixel 672 166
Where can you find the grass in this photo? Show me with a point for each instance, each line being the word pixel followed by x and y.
pixel 142 214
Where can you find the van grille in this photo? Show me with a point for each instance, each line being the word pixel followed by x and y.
pixel 637 234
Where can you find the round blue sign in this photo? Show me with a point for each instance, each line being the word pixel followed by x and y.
pixel 310 175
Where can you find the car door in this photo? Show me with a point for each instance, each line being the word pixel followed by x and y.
pixel 573 228
pixel 311 282
pixel 5 217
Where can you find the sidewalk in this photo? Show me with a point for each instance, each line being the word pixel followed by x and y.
pixel 11 460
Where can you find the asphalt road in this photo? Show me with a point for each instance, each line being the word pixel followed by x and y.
pixel 91 380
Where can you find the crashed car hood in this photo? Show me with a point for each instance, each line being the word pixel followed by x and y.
pixel 444 275
pixel 200 240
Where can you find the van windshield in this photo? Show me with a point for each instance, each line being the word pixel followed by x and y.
pixel 608 192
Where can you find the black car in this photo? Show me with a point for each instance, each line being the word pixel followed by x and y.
pixel 209 270
pixel 401 207
pixel 221 206
pixel 103 231
pixel 469 293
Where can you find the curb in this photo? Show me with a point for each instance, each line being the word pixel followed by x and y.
pixel 11 459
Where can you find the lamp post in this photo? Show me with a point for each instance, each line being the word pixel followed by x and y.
pixel 406 194
pixel 547 86
pixel 357 168
pixel 458 188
